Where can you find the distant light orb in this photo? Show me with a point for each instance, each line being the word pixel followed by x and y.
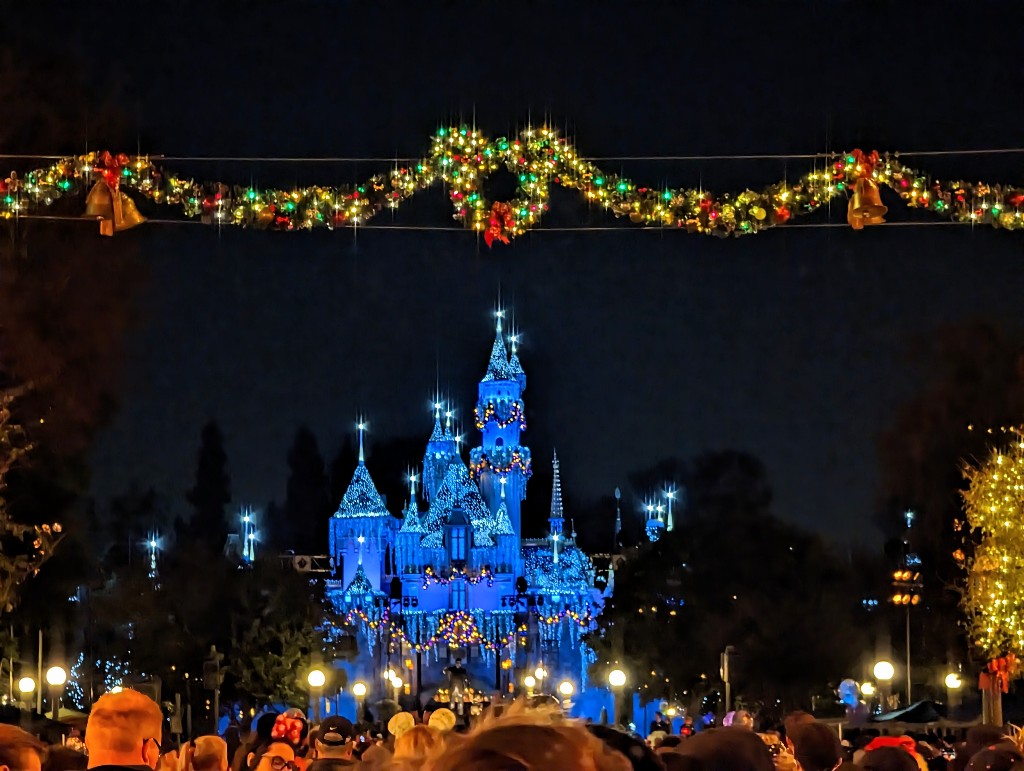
pixel 566 688
pixel 316 678
pixel 359 690
pixel 397 682
pixel 953 681
pixel 616 678
pixel 868 689
pixel 389 674
pixel 884 670
pixel 56 676
pixel 671 712
pixel 540 673
pixel 27 685
pixel 116 689
pixel 529 681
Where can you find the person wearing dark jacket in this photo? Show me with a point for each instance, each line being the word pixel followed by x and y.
pixel 335 745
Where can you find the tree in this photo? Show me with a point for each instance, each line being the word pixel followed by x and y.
pixel 23 548
pixel 743 578
pixel 211 494
pixel 286 625
pixel 307 508
pixel 974 383
pixel 993 597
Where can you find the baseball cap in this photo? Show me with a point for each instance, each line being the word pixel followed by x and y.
pixel 336 731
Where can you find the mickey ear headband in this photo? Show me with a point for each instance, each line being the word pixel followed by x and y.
pixel 288 728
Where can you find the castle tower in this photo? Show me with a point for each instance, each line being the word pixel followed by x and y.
pixel 360 528
pixel 441 450
pixel 501 418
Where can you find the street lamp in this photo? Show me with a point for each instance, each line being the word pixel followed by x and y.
pixel 953 681
pixel 540 673
pixel 530 682
pixel 316 679
pixel 55 678
pixel 883 670
pixel 359 691
pixel 26 686
pixel 867 689
pixel 616 679
pixel 566 690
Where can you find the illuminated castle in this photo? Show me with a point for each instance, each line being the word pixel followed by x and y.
pixel 452 576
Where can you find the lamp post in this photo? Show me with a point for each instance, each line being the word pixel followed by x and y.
pixel 316 679
pixel 530 682
pixel 359 691
pixel 540 673
pixel 884 672
pixel 616 679
pixel 55 678
pixel 397 683
pixel 566 690
pixel 26 686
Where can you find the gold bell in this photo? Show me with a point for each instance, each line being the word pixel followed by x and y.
pixel 866 206
pixel 114 212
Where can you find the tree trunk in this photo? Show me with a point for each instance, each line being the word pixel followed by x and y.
pixel 992 703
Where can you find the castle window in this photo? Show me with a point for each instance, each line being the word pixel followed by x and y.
pixel 460 595
pixel 499 442
pixel 458 545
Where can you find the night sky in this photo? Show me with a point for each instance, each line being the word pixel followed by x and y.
pixel 791 344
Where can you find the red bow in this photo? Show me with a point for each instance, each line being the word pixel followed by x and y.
pixel 288 728
pixel 866 161
pixel 109 167
pixel 501 223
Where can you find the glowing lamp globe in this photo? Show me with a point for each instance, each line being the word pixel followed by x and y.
pixel 884 670
pixel 316 678
pixel 56 676
pixel 566 688
pixel 529 681
pixel 396 682
pixel 868 689
pixel 671 712
pixel 389 674
pixel 116 689
pixel 540 673
pixel 359 690
pixel 27 685
pixel 953 681
pixel 616 678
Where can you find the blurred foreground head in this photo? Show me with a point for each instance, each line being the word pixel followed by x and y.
pixel 124 729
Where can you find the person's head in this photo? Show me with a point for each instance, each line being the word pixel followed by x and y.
pixel 658 716
pixel 816 747
pixel 637 753
pixel 264 726
pixel 417 744
pixel 529 747
pixel 169 761
pixel 981 736
pixel 124 729
pixel 889 759
pixel 207 753
pixel 19 751
pixel 999 757
pixel 336 738
pixel 669 742
pixel 279 756
pixel 63 759
pixel 458 662
pixel 794 719
pixel 688 720
pixel 728 749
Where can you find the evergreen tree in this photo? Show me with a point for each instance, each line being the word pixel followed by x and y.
pixel 212 492
pixel 307 507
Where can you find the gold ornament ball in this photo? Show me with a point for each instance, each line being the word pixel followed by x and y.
pixel 758 213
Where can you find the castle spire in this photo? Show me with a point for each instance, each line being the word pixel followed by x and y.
pixel 556 518
pixel 362 429
pixel 618 516
pixel 497 366
pixel 436 435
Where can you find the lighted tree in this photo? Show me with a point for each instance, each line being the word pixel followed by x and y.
pixel 23 548
pixel 993 598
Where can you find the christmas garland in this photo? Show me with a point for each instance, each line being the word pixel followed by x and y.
pixel 485 574
pixel 503 414
pixel 463 158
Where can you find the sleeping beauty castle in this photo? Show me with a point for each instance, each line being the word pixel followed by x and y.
pixel 448 584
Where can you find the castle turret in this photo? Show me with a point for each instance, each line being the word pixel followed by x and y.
pixel 441 450
pixel 501 418
pixel 361 526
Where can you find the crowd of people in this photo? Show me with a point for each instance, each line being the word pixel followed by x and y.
pixel 125 733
